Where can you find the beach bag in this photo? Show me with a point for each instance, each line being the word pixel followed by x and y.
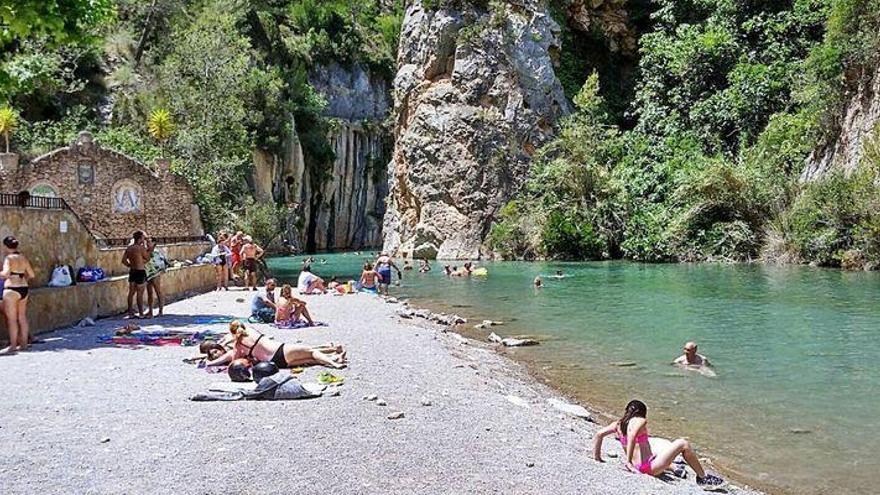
pixel 61 277
pixel 280 386
pixel 89 274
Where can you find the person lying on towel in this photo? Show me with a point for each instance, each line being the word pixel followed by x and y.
pixel 255 347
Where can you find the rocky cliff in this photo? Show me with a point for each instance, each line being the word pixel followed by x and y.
pixel 475 95
pixel 341 207
pixel 860 118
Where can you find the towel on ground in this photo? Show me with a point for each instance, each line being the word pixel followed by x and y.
pixel 292 325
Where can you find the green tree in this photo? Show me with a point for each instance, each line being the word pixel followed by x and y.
pixel 8 123
pixel 61 20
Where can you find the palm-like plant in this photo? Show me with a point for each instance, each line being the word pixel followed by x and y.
pixel 8 123
pixel 161 127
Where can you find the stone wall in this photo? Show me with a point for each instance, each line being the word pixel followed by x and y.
pixel 45 245
pixel 50 308
pixel 112 193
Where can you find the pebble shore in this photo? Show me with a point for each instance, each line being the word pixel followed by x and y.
pixel 421 410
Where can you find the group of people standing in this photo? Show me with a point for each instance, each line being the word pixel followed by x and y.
pixel 145 265
pixel 233 254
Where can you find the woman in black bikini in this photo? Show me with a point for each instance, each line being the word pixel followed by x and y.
pixel 16 272
pixel 255 347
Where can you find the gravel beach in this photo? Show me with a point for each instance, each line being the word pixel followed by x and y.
pixel 81 417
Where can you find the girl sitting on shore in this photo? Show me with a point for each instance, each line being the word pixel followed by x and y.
pixel 632 431
pixel 256 347
pixel 289 310
pixel 370 279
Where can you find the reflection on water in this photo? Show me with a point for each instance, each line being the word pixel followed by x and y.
pixel 795 401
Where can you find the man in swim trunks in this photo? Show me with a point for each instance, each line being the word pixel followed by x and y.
pixel 135 258
pixel 690 358
pixel 250 253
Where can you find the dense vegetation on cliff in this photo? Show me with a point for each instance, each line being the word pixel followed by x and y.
pixel 730 99
pixel 232 75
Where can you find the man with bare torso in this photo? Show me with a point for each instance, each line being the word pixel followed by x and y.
pixel 250 253
pixel 135 258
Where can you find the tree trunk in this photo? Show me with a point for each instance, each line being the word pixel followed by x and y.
pixel 146 32
pixel 6 135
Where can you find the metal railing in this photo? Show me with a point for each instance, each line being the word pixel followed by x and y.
pixel 122 242
pixel 28 201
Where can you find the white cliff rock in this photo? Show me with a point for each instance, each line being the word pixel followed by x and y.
pixel 475 96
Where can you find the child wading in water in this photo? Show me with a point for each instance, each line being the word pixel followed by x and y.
pixel 632 432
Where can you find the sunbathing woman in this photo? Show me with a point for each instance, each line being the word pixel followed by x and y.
pixel 255 346
pixel 289 310
pixel 15 273
pixel 370 279
pixel 632 431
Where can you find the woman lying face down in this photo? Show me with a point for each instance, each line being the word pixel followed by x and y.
pixel 255 346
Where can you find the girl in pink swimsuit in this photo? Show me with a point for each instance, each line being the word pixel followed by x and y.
pixel 632 432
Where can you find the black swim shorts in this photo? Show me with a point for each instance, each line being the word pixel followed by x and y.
pixel 250 264
pixel 137 277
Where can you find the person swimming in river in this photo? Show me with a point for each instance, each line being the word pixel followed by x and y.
pixel 370 279
pixel 690 357
pixel 538 282
pixel 424 266
pixel 256 347
pixel 559 274
pixel 631 430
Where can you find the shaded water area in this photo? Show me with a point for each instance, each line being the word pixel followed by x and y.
pixel 794 406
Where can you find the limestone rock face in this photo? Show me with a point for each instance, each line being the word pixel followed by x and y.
pixel 861 116
pixel 475 95
pixel 343 207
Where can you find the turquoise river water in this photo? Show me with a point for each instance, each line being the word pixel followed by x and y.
pixel 794 405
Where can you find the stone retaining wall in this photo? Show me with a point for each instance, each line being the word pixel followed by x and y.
pixel 45 245
pixel 55 307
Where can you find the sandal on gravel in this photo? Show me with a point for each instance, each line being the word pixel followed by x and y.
pixel 710 482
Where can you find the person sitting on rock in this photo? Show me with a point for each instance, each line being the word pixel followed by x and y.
pixel 263 306
pixel 256 347
pixel 632 432
pixel 289 310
